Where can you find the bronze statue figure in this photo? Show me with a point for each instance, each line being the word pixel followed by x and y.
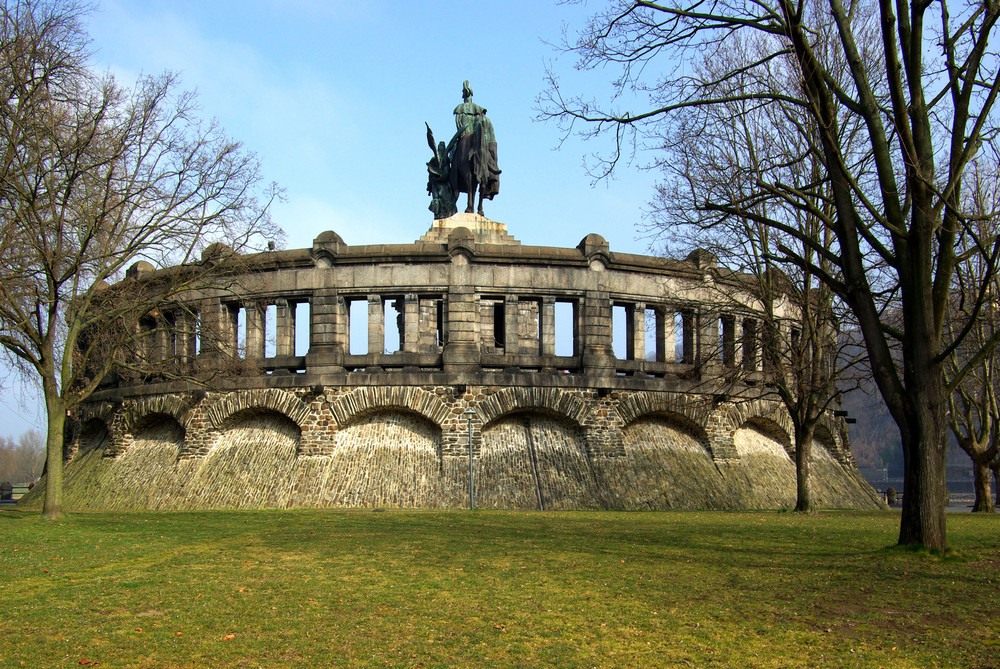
pixel 443 197
pixel 469 161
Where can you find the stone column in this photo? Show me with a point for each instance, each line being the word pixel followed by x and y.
pixel 577 327
pixel 232 315
pixel 708 339
pixel 213 331
pixel 687 333
pixel 164 348
pixel 461 348
pixel 255 331
pixel 185 324
pixel 547 327
pixel 636 325
pixel 664 335
pixel 376 325
pixel 529 326
pixel 598 357
pixel 327 331
pixel 411 323
pixel 773 337
pixel 284 328
pixel 428 323
pixel 512 317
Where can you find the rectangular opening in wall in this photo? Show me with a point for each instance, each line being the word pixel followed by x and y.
pixel 683 337
pixel 196 326
pixel 241 332
pixel 619 331
pixel 394 310
pixel 439 304
pixel 750 348
pixel 565 334
pixel 727 341
pixel 499 324
pixel 146 340
pixel 270 331
pixel 357 327
pixel 302 313
pixel 650 322
pixel 665 335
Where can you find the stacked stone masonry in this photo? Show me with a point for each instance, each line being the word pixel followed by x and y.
pixel 556 420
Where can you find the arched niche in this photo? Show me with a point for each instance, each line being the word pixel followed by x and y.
pixel 388 457
pixel 534 459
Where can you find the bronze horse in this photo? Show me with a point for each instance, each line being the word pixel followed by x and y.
pixel 474 161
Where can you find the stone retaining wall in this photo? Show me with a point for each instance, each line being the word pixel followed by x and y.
pixel 408 446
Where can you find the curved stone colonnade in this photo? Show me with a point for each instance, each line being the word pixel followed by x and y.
pixel 476 358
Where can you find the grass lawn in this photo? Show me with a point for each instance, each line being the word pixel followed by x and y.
pixel 486 588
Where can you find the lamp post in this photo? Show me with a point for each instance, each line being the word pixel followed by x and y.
pixel 469 413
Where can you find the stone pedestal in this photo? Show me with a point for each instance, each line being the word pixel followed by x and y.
pixel 484 230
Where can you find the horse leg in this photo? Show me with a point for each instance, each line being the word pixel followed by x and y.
pixel 472 198
pixel 481 202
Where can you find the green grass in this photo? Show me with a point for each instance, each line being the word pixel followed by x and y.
pixel 453 588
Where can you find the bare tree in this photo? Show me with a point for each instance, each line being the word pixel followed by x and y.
pixel 974 404
pixel 21 460
pixel 893 100
pixel 726 148
pixel 96 178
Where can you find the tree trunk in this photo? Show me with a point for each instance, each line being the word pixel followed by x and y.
pixel 803 455
pixel 984 501
pixel 924 492
pixel 53 507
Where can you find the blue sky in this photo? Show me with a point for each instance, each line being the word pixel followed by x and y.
pixel 333 96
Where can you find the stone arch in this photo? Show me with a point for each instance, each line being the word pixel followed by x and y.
pixel 535 458
pixel 668 464
pixel 759 411
pixel 94 434
pixel 363 401
pixel 272 399
pixel 679 422
pixel 387 456
pixel 249 414
pixel 680 406
pixel 826 436
pixel 174 406
pixel 513 400
pixel 104 416
pixel 150 448
pixel 251 462
pixel 104 411
pixel 771 429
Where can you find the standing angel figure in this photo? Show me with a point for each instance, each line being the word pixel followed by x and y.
pixel 443 196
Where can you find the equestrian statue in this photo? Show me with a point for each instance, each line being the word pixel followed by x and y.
pixel 468 162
